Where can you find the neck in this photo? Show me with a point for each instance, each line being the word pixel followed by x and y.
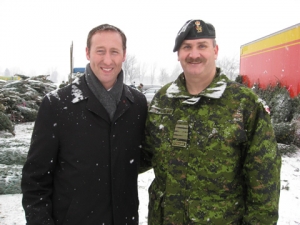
pixel 109 86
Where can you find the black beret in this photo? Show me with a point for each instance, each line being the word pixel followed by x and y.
pixel 194 29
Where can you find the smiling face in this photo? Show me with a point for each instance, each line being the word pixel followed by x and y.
pixel 197 57
pixel 106 55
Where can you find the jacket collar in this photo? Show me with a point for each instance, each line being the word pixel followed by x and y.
pixel 81 92
pixel 215 90
pixel 128 93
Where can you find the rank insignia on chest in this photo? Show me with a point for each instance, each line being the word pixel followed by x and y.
pixel 180 135
pixel 157 110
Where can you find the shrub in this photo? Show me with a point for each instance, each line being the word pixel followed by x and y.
pixel 285 115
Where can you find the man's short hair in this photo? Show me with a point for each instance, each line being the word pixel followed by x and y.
pixel 106 27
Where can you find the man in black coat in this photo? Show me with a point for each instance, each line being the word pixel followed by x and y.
pixel 82 165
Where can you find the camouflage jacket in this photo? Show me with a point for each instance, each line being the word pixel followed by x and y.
pixel 214 156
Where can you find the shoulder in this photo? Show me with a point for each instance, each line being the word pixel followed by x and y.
pixel 241 91
pixel 134 94
pixel 73 92
pixel 245 97
pixel 134 91
pixel 164 89
pixel 58 94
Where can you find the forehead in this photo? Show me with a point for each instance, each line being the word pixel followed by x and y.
pixel 107 36
pixel 198 41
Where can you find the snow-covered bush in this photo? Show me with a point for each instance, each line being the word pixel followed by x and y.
pixel 20 99
pixel 285 115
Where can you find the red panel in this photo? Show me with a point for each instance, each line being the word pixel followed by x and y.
pixel 280 65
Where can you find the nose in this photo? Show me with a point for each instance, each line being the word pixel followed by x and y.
pixel 107 59
pixel 194 53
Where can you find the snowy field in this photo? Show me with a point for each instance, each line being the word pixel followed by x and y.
pixel 11 211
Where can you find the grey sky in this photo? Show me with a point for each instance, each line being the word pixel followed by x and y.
pixel 35 35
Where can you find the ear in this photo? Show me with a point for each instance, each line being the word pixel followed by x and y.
pixel 87 53
pixel 216 50
pixel 124 56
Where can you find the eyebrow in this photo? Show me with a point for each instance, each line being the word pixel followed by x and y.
pixel 199 42
pixel 102 47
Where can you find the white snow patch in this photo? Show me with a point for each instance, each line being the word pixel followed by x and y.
pixel 53 93
pixel 11 211
pixel 191 101
pixel 217 91
pixel 77 94
pixel 173 89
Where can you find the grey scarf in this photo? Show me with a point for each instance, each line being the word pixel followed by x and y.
pixel 109 99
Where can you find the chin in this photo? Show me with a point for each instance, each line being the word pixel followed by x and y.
pixel 193 73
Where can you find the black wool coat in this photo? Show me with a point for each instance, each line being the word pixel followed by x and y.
pixel 81 167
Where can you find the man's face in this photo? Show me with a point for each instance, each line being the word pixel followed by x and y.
pixel 197 57
pixel 106 56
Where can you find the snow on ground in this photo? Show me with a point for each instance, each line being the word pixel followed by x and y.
pixel 11 211
pixel 289 203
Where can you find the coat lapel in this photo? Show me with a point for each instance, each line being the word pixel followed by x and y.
pixel 126 100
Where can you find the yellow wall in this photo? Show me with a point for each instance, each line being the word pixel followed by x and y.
pixel 275 41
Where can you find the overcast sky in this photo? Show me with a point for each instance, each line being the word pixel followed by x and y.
pixel 35 35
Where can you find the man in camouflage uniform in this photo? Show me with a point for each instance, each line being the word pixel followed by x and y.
pixel 212 144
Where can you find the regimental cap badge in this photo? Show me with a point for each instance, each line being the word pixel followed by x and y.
pixel 198 27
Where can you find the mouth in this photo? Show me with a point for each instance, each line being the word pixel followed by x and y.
pixel 106 69
pixel 194 63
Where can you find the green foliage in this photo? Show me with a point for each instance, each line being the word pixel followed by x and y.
pixel 239 79
pixel 270 92
pixel 287 149
pixel 284 132
pixel 28 114
pixel 5 123
pixel 285 116
pixel 296 107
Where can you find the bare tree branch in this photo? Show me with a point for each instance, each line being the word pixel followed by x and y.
pixel 229 66
pixel 152 73
pixel 175 73
pixel 142 70
pixel 163 76
pixel 130 68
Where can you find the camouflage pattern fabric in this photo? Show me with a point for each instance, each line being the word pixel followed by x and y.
pixel 214 155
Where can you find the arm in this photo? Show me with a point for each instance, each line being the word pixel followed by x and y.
pixel 146 153
pixel 261 170
pixel 37 175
